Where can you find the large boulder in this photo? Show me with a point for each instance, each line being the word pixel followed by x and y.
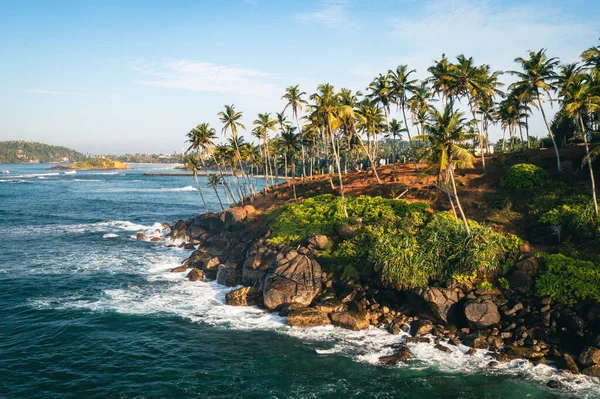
pixel 292 278
pixel 227 275
pixel 401 355
pixel 420 327
pixel 520 281
pixel 245 296
pixel 318 241
pixel 590 356
pixel 179 231
pixel 354 321
pixel 235 218
pixel 210 221
pixel 307 318
pixel 255 267
pixel 530 266
pixel 195 275
pixel 437 304
pixel 481 314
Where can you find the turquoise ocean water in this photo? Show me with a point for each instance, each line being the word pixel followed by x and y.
pixel 86 311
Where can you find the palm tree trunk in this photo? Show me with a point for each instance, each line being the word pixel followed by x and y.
pixel 503 139
pixel 373 168
pixel 480 137
pixel 285 167
pixel 550 133
pixel 294 178
pixel 218 197
pixel 462 214
pixel 200 191
pixel 589 162
pixel 266 155
pixel 521 134
pixel 527 130
pixel 409 138
pixel 450 198
pixel 223 177
pixel 339 170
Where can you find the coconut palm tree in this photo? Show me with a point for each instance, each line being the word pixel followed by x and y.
pixel 445 134
pixel 401 85
pixel 231 120
pixel 370 121
pixel 330 112
pixel 191 163
pixel 538 76
pixel 591 57
pixel 381 95
pixel 264 123
pixel 396 130
pixel 295 102
pixel 580 97
pixel 289 144
pixel 213 181
pixel 441 80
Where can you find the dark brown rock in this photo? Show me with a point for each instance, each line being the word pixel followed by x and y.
pixel 234 218
pixel 195 275
pixel 179 269
pixel 140 236
pixel 401 355
pixel 351 320
pixel 245 296
pixel 317 242
pixel 307 318
pixel 590 356
pixel 436 303
pixel 227 275
pixel 420 327
pixel 293 279
pixel 443 348
pixel 593 371
pixel 481 314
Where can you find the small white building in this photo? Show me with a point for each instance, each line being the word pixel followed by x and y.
pixel 477 150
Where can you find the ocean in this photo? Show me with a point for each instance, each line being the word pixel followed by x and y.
pixel 88 311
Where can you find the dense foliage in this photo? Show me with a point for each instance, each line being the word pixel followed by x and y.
pixel 523 176
pixel 400 244
pixel 27 151
pixel 568 280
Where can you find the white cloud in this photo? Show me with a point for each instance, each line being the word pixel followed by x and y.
pixel 237 81
pixel 331 13
pixel 54 92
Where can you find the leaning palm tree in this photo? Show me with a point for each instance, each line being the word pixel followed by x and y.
pixel 231 120
pixel 294 100
pixel 591 57
pixel 445 134
pixel 191 163
pixel 370 121
pixel 538 76
pixel 213 181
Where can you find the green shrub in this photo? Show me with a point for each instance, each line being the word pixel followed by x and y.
pixel 523 176
pixel 577 219
pixel 503 283
pixel 485 285
pixel 568 280
pixel 324 214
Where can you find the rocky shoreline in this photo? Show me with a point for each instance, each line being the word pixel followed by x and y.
pixel 232 248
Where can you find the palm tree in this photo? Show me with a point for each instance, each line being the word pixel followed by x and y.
pixel 330 112
pixel 381 95
pixel 289 144
pixel 214 180
pixel 580 98
pixel 441 79
pixel 401 85
pixel 396 130
pixel 191 163
pixel 294 99
pixel 538 76
pixel 591 57
pixel 231 120
pixel 370 121
pixel 445 134
pixel 263 124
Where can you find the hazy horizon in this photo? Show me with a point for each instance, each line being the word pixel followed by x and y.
pixel 108 77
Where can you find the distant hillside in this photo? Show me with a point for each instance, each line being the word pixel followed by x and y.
pixel 27 151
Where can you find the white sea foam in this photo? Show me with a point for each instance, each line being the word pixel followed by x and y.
pixel 150 190
pixel 204 302
pixel 70 172
pixel 88 180
pixel 110 235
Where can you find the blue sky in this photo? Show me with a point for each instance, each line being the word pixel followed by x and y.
pixel 135 76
